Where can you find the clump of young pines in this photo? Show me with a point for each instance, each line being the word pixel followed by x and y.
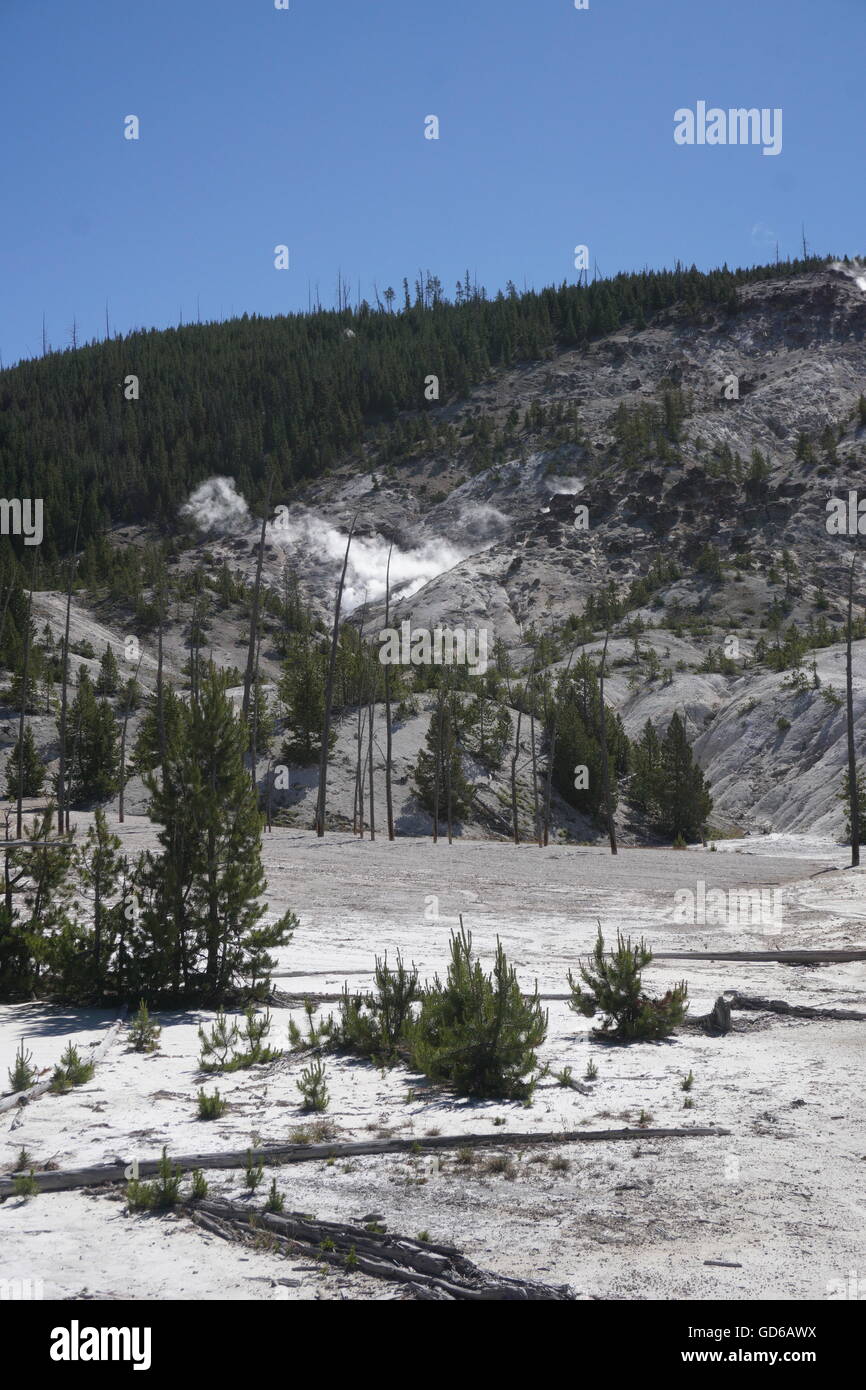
pixel 374 1025
pixel 219 1050
pixel 610 984
pixel 211 1107
pixel 476 1032
pixel 160 1195
pixel 71 1071
pixel 144 1032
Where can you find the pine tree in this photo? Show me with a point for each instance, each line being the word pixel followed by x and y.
pixel 442 786
pixel 34 769
pixel 302 692
pixel 477 1032
pixel 202 916
pixel 684 800
pixel 108 678
pixel 93 762
pixel 611 985
pixel 100 865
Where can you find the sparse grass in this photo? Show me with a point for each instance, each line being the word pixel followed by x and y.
pixel 688 1103
pixel 317 1132
pixel 560 1164
pixel 375 1228
pixel 644 1118
pixel 499 1119
pixel 465 1157
pixel 423 1236
pixel 501 1164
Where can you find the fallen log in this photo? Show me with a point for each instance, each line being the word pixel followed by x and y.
pixel 278 1154
pixel 441 1271
pixel 773 957
pixel 755 1004
pixel 34 1092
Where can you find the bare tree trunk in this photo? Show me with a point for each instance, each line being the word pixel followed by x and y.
pixel 514 812
pixel 25 671
pixel 254 610
pixel 605 762
pixel 852 756
pixel 123 750
pixel 358 803
pixel 536 818
pixel 160 689
pixel 389 804
pixel 329 690
pixel 370 717
pixel 62 799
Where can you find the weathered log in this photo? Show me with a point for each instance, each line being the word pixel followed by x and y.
pixel 773 957
pixel 278 1154
pixel 33 1092
pixel 753 1003
pixel 440 1269
pixel 718 1020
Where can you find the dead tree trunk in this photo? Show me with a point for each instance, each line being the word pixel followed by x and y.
pixel 62 799
pixel 25 671
pixel 254 610
pixel 514 810
pixel 329 691
pixel 126 712
pixel 854 791
pixel 389 804
pixel 605 761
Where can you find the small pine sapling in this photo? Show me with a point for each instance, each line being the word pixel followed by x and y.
pixel 375 1025
pixel 211 1107
pixel 255 1171
pixel 144 1032
pixel 216 1046
pixel 611 985
pixel 276 1201
pixel 313 1088
pixel 199 1184
pixel 23 1074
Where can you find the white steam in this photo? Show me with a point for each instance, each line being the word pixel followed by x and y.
pixel 855 270
pixel 217 506
pixel 368 557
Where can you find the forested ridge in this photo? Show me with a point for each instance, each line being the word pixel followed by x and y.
pixel 295 393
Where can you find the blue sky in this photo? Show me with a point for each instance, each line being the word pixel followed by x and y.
pixel 306 127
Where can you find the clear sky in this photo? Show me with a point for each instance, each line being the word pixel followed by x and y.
pixel 305 127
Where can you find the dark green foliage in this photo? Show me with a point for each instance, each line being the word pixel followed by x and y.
pixel 108 679
pixel 476 1032
pixel 276 1202
pixel 199 1185
pixel 25 1186
pixel 93 746
pixel 668 784
pixel 443 788
pixel 218 1048
pixel 34 770
pixel 577 714
pixel 201 924
pixel 845 797
pixel 374 1025
pixel 292 391
pixel 611 984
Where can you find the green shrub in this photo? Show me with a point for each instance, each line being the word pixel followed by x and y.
pixel 143 1031
pixel 216 1046
pixel 476 1032
pixel 199 1184
pixel 612 986
pixel 374 1025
